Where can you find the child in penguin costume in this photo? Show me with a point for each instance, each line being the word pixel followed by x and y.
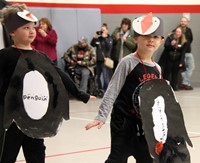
pixel 131 130
pixel 33 91
pixel 162 118
pixel 163 122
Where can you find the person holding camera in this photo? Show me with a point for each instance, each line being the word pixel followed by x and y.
pixel 123 41
pixel 103 43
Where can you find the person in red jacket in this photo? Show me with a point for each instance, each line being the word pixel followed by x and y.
pixel 46 39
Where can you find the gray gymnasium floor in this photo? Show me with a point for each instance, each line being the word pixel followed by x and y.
pixel 73 144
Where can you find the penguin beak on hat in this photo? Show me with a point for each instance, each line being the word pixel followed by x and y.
pixel 146 25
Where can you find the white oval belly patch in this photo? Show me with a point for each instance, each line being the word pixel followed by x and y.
pixel 35 95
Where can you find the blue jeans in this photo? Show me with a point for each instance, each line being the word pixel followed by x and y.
pixel 190 65
pixel 84 73
pixel 101 69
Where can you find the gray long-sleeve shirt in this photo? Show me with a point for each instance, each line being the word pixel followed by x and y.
pixel 128 75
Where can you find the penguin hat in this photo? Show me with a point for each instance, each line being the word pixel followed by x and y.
pixel 19 19
pixel 147 25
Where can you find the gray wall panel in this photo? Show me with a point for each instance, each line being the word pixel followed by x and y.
pixel 41 12
pixel 65 24
pixel 89 21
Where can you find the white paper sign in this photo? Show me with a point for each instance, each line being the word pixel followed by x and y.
pixel 35 95
pixel 160 120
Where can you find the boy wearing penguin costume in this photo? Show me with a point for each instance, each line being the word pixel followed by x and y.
pixel 127 135
pixel 33 96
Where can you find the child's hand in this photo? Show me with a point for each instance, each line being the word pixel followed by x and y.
pixel 92 97
pixel 97 123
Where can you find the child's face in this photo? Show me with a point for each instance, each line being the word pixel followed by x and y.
pixel 24 34
pixel 148 43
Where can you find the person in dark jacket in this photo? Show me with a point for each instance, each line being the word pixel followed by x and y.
pixel 103 43
pixel 174 52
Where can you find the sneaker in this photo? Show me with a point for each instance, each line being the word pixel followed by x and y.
pixel 185 87
pixel 188 87
pixel 182 86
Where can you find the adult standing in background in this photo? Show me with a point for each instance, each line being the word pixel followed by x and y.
pixel 46 39
pixel 189 59
pixel 123 42
pixel 103 43
pixel 174 52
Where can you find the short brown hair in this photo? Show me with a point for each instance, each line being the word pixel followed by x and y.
pixel 127 22
pixel 47 22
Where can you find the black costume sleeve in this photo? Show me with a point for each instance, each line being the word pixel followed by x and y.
pixel 71 87
pixel 69 84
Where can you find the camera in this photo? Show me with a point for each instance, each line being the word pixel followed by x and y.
pixel 99 32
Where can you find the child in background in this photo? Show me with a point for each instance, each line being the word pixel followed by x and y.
pixel 127 136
